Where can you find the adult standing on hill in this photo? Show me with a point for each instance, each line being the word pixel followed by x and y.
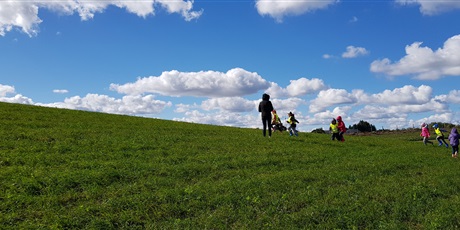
pixel 265 108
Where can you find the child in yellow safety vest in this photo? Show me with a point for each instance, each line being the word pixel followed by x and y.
pixel 440 135
pixel 292 122
pixel 334 129
pixel 276 122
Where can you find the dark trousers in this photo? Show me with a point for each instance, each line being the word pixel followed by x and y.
pixel 454 149
pixel 341 136
pixel 441 139
pixel 267 123
pixel 335 136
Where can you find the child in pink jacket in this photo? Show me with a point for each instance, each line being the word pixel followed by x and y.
pixel 425 134
pixel 342 128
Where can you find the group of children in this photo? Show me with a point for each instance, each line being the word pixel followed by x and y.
pixel 453 137
pixel 337 128
pixel 278 125
pixel 271 120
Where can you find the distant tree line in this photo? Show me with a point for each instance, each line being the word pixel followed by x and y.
pixel 363 126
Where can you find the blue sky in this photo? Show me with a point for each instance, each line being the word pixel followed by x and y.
pixel 392 63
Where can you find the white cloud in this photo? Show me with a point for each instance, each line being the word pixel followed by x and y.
pixel 389 103
pixel 6 89
pixel 276 91
pixel 132 105
pixel 377 112
pixel 304 86
pixel 432 7
pixel 423 62
pixel 60 91
pixel 235 82
pixel 183 108
pixel 18 98
pixel 299 87
pixel 324 118
pixel 440 117
pixel 222 118
pixel 24 14
pixel 406 95
pixel 452 97
pixel 353 52
pixel 230 104
pixel 18 14
pixel 392 111
pixel 182 7
pixel 337 111
pixel 330 97
pixel 286 105
pixel 278 9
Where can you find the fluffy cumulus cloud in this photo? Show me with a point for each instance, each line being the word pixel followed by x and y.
pixel 278 9
pixel 326 116
pixel 379 112
pixel 432 7
pixel 299 87
pixel 288 104
pixel 230 104
pixel 6 89
pixel 331 97
pixel 406 95
pixel 221 118
pixel 353 52
pixel 132 105
pixel 443 117
pixel 396 104
pixel 453 97
pixel 18 98
pixel 235 82
pixel 423 62
pixel 24 14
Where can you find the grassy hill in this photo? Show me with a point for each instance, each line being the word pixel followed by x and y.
pixel 62 169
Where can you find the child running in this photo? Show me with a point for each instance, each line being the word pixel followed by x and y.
pixel 425 134
pixel 292 122
pixel 276 121
pixel 453 138
pixel 334 129
pixel 440 135
pixel 342 128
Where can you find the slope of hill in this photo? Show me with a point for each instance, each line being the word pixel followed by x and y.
pixel 74 169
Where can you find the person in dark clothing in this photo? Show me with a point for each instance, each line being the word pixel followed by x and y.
pixel 265 108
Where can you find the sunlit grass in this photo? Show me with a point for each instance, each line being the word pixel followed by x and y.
pixel 74 169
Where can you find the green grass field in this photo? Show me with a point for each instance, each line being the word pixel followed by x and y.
pixel 64 169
